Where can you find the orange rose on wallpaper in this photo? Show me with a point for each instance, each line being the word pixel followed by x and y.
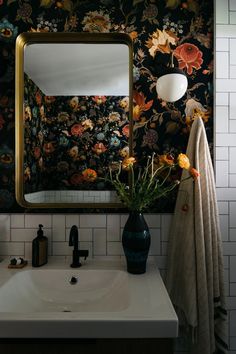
pixel 77 129
pixel 125 130
pixel 133 35
pixel 38 98
pixel 48 148
pixel 99 99
pixel 89 175
pixel 189 56
pixel 49 99
pixel 37 152
pixel 99 148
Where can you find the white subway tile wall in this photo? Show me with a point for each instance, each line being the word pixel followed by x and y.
pixel 225 154
pixel 222 122
pixel 222 14
pixel 222 44
pixel 222 65
pixel 222 153
pixel 232 71
pixel 101 234
pixel 222 173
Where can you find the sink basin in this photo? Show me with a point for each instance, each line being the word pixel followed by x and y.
pixel 51 291
pixel 105 302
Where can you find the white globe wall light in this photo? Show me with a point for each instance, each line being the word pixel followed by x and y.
pixel 171 84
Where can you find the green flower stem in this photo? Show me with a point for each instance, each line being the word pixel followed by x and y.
pixel 132 182
pixel 166 177
pixel 145 187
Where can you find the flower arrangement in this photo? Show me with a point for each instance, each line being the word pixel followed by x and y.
pixel 151 182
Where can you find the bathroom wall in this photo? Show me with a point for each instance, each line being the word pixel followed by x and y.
pixel 157 29
pixel 101 233
pixel 225 142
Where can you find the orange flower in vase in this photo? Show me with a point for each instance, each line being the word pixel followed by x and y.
pixel 147 184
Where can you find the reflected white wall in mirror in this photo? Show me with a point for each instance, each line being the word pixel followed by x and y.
pixel 78 69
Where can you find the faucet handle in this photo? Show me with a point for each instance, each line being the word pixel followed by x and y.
pixel 83 253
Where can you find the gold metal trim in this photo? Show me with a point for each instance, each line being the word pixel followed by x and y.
pixel 31 38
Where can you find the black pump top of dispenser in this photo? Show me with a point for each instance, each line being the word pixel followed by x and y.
pixel 40 231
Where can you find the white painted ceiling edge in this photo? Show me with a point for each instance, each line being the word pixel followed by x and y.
pixel 78 69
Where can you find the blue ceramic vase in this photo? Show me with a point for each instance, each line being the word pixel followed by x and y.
pixel 136 243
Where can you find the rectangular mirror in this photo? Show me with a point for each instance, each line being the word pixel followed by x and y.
pixel 73 117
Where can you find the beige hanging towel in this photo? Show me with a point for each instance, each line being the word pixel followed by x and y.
pixel 195 262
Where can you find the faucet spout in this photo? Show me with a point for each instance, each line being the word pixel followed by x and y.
pixel 74 237
pixel 74 241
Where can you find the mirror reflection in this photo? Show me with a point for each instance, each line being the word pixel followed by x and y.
pixel 75 126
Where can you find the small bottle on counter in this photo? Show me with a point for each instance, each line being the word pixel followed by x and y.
pixel 39 249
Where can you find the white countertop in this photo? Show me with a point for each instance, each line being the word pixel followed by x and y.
pixel 149 313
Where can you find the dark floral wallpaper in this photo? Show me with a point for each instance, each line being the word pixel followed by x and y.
pixel 70 142
pixel 158 28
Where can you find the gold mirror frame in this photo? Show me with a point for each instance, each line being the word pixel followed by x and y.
pixel 25 39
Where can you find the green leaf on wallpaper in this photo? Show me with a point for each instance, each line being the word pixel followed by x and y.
pixel 68 5
pixel 172 127
pixel 106 128
pixel 46 3
pixel 135 2
pixel 132 21
pixel 9 2
pixel 139 125
pixel 172 4
pixel 10 126
pixel 195 86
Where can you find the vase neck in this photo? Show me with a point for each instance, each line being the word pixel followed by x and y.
pixel 135 212
pixel 136 221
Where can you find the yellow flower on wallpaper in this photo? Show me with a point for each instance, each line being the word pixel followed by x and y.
pixel 160 42
pixel 96 21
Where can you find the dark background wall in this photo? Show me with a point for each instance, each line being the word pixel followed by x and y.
pixel 157 28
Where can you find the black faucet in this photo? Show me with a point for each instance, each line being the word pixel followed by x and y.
pixel 74 241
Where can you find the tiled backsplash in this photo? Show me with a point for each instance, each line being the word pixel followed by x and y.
pixel 100 234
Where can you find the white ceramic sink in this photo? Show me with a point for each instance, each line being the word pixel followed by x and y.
pixel 50 290
pixel 106 302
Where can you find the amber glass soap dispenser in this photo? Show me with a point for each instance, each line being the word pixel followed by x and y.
pixel 40 249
